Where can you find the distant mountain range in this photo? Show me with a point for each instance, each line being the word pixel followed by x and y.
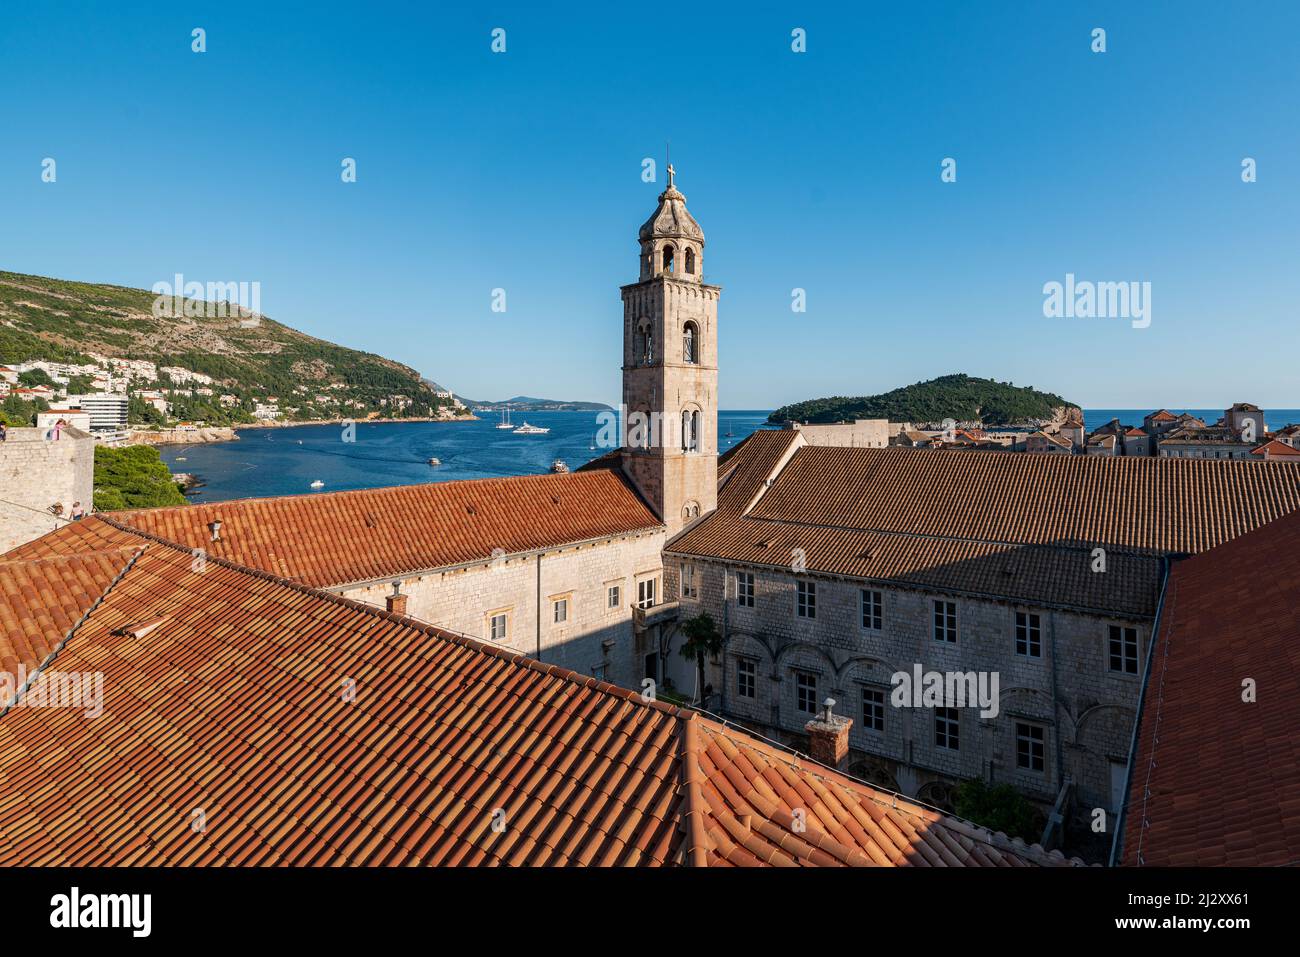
pixel 246 354
pixel 960 397
pixel 528 403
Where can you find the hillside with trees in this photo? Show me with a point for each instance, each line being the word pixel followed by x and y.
pixel 249 356
pixel 959 397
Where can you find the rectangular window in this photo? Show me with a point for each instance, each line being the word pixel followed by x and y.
pixel 689 588
pixel 746 675
pixel 1029 635
pixel 805 692
pixel 745 589
pixel 873 609
pixel 945 621
pixel 873 709
pixel 645 593
pixel 560 610
pixel 805 603
pixel 1123 650
pixel 497 627
pixel 1031 751
pixel 615 597
pixel 945 728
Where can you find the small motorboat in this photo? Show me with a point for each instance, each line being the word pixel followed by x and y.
pixel 181 458
pixel 435 461
pixel 527 429
pixel 559 466
pixel 318 484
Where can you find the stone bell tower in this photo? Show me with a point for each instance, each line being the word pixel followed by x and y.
pixel 670 367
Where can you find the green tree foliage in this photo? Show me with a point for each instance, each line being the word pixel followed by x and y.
pixel 960 397
pixel 19 413
pixel 999 808
pixel 140 412
pixel 702 640
pixel 133 476
pixel 34 377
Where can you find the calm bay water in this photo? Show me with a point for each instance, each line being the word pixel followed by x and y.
pixel 286 461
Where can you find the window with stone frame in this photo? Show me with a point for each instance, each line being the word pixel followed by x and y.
pixel 873 609
pixel 805 692
pixel 805 599
pixel 1029 635
pixel 1031 747
pixel 690 588
pixel 1122 649
pixel 614 596
pixel 945 621
pixel 947 724
pixel 746 678
pixel 873 709
pixel 499 626
pixel 560 610
pixel 745 589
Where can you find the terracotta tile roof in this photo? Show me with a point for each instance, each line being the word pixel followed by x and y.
pixel 1037 574
pixel 1275 448
pixel 751 793
pixel 1216 780
pixel 743 471
pixel 233 706
pixel 1163 415
pixel 1166 505
pixel 1018 527
pixel 41 601
pixel 344 537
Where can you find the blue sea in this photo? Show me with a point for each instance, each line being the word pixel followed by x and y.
pixel 285 461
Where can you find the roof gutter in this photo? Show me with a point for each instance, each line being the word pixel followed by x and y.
pixel 1121 818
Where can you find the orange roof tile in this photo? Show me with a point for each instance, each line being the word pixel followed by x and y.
pixel 345 537
pixel 233 710
pixel 41 601
pixel 1215 779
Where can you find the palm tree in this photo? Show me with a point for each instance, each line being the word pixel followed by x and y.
pixel 702 638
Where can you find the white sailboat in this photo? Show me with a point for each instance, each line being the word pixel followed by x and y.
pixel 505 419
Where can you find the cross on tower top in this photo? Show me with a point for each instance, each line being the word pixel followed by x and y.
pixel 671 173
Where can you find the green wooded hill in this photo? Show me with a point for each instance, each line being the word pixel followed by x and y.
pixel 250 357
pixel 960 397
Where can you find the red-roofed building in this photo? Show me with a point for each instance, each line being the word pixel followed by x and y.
pixel 1215 778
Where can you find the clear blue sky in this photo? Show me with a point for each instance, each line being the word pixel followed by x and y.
pixel 817 170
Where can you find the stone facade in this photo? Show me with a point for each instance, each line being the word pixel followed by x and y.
pixel 596 636
pixel 858 434
pixel 1082 709
pixel 36 475
pixel 670 368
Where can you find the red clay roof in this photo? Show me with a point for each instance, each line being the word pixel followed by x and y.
pixel 235 707
pixel 1216 780
pixel 1175 505
pixel 344 537
pixel 41 601
pixel 1276 448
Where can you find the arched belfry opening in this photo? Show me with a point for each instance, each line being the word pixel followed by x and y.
pixel 669 261
pixel 691 343
pixel 690 261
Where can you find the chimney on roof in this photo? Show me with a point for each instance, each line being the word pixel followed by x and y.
pixel 828 736
pixel 396 602
pixel 214 526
